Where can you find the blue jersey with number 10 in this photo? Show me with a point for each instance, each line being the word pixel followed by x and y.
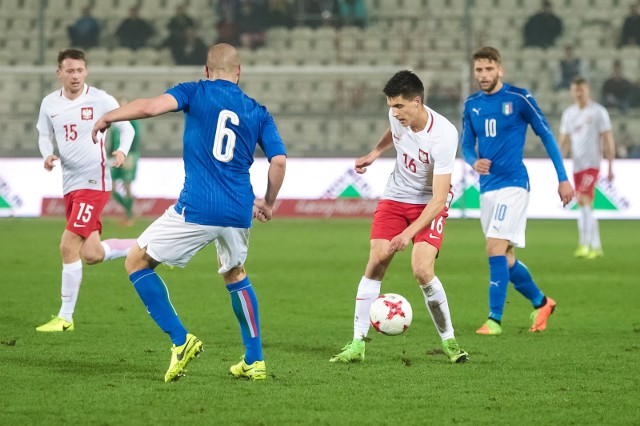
pixel 498 122
pixel 222 128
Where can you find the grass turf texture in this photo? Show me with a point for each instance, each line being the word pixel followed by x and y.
pixel 582 370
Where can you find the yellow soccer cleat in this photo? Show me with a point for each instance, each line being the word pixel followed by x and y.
pixel 255 371
pixel 581 251
pixel 56 324
pixel 594 254
pixel 180 357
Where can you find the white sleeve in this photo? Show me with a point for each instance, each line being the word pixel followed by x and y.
pixel 604 121
pixel 126 129
pixel 127 133
pixel 564 125
pixel 444 151
pixel 45 133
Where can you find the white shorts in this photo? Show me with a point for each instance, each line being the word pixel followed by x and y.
pixel 173 241
pixel 503 214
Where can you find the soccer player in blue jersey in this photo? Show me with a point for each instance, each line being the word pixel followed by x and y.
pixel 495 123
pixel 217 203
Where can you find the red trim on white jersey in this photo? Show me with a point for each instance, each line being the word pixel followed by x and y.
pixel 103 163
pixel 87 90
pixel 431 124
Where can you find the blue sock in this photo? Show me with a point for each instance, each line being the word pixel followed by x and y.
pixel 499 282
pixel 522 281
pixel 245 306
pixel 155 297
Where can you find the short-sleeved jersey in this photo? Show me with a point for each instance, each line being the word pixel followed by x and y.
pixel 585 127
pixel 420 155
pixel 498 124
pixel 70 122
pixel 222 128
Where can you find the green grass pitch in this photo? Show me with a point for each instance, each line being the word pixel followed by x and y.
pixel 583 370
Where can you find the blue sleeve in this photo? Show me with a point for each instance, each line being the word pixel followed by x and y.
pixel 183 93
pixel 536 119
pixel 468 140
pixel 554 153
pixel 270 140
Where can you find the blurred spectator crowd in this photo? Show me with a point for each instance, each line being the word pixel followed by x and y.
pixel 242 23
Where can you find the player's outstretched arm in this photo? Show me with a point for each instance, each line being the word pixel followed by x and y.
pixel 139 108
pixel 385 142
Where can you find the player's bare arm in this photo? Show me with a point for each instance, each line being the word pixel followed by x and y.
pixel 263 209
pixel 385 142
pixel 441 185
pixel 139 108
pixel 609 151
pixel 482 166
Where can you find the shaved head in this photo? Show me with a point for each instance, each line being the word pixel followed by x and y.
pixel 223 59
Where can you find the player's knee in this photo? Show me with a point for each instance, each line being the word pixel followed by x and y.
pixel 423 273
pixel 92 258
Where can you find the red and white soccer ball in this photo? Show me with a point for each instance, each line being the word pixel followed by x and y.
pixel 390 314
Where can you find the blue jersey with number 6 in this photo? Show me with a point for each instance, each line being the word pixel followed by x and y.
pixel 222 128
pixel 498 123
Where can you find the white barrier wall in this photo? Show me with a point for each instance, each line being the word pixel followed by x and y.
pixel 24 184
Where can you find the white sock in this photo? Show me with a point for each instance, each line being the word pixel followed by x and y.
pixel 71 280
pixel 115 248
pixel 583 219
pixel 368 291
pixel 588 224
pixel 436 300
pixel 595 233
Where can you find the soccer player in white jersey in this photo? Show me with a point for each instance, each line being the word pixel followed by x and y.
pixel 413 208
pixel 585 129
pixel 223 126
pixel 67 115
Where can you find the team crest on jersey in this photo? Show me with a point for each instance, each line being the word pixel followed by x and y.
pixel 423 156
pixel 86 113
pixel 507 108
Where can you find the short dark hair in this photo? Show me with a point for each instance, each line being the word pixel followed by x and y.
pixel 489 53
pixel 71 54
pixel 406 84
pixel 579 80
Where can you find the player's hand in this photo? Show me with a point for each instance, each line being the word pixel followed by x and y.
pixel 48 162
pixel 100 126
pixel 118 159
pixel 363 162
pixel 565 190
pixel 261 211
pixel 398 243
pixel 482 166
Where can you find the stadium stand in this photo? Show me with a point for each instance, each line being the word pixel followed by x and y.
pixel 322 84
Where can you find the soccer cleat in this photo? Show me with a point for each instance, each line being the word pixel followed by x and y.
pixel 255 371
pixel 594 254
pixel 56 324
pixel 453 351
pixel 539 316
pixel 180 357
pixel 490 328
pixel 581 251
pixel 352 352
